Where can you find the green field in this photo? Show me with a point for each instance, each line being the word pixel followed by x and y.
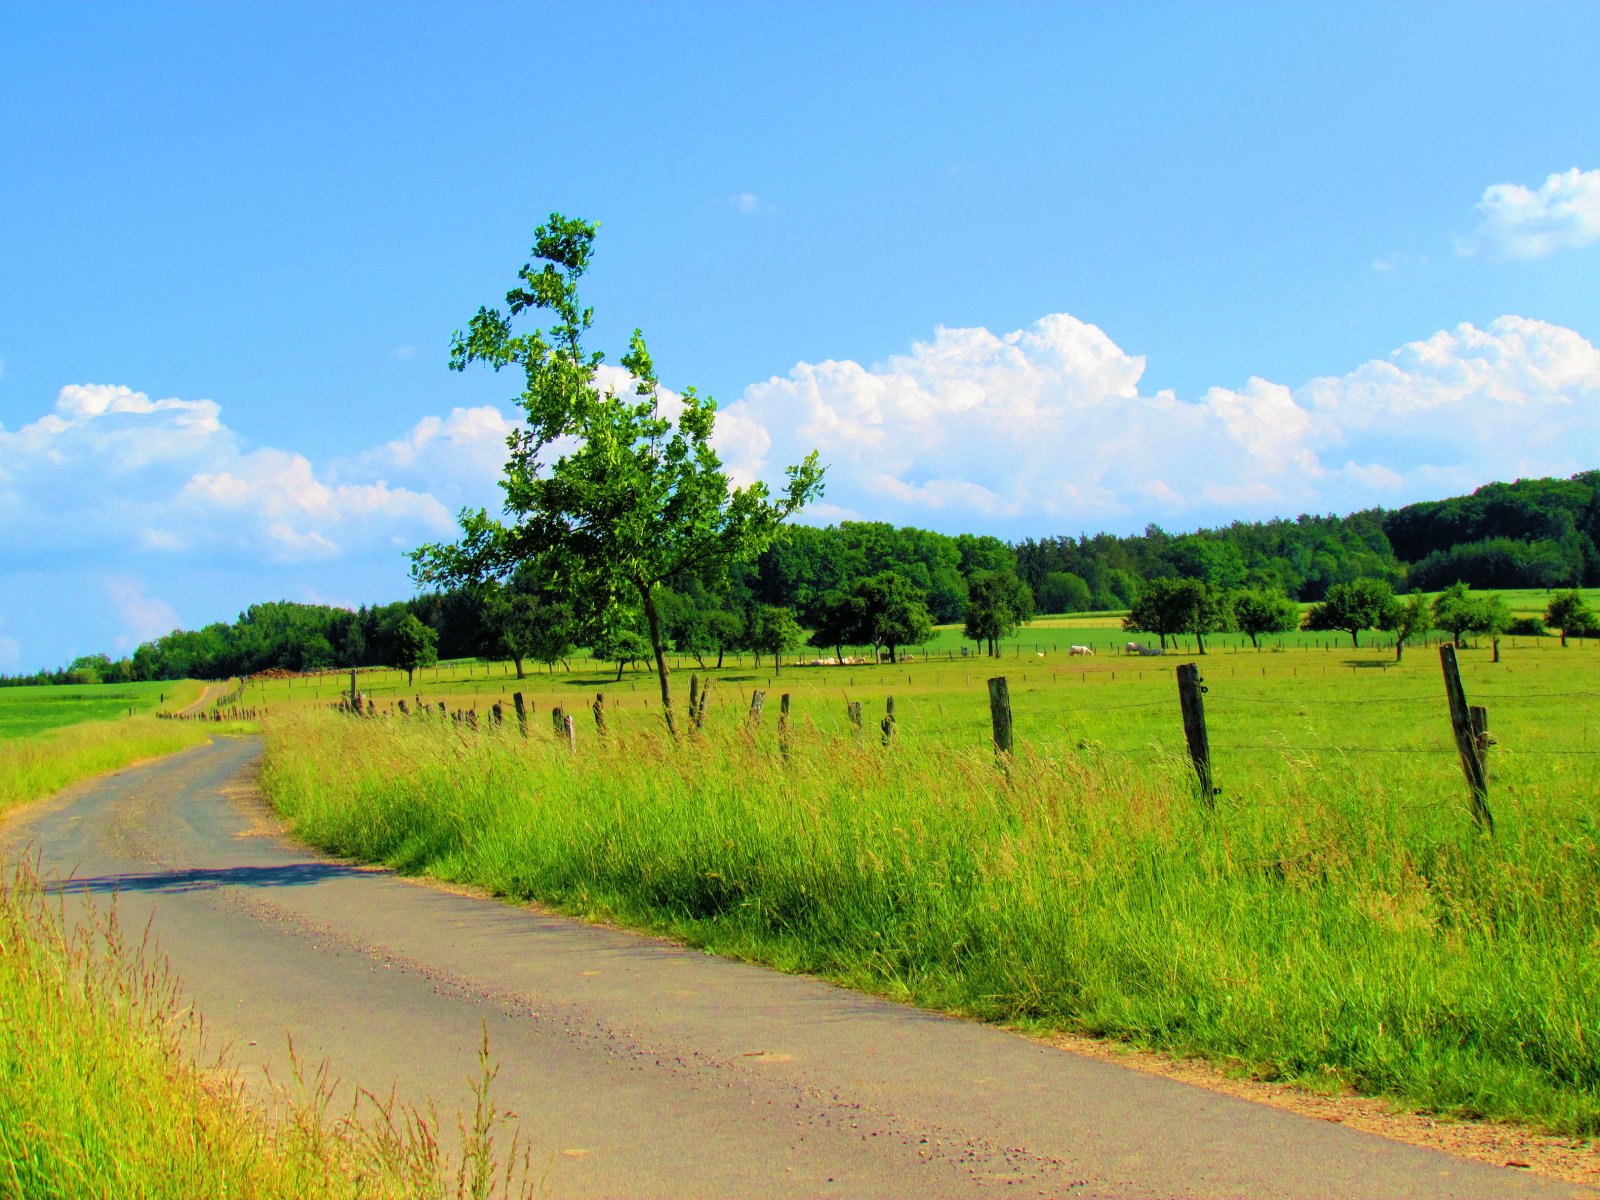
pixel 30 710
pixel 1336 920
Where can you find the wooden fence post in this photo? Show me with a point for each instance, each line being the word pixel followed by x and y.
pixel 571 730
pixel 1000 716
pixel 1190 692
pixel 784 734
pixel 700 709
pixel 497 714
pixel 757 699
pixel 887 724
pixel 599 707
pixel 694 700
pixel 1466 744
pixel 522 712
pixel 1479 716
pixel 355 696
pixel 558 721
pixel 853 709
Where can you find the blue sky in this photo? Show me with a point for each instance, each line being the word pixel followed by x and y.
pixel 1027 269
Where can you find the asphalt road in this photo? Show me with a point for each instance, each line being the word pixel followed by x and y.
pixel 646 1069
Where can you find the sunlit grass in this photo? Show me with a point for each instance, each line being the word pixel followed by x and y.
pixel 25 711
pixel 101 1093
pixel 1337 920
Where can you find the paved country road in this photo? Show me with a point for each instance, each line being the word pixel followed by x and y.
pixel 647 1069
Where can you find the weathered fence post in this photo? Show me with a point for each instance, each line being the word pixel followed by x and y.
pixel 1497 650
pixel 1190 692
pixel 694 700
pixel 1472 763
pixel 1479 716
pixel 355 696
pixel 1000 716
pixel 571 730
pixel 599 707
pixel 522 712
pixel 887 724
pixel 443 711
pixel 405 709
pixel 757 699
pixel 700 709
pixel 558 721
pixel 784 733
pixel 853 709
pixel 497 715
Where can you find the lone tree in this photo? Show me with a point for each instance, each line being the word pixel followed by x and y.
pixel 998 603
pixel 1352 607
pixel 634 497
pixel 894 612
pixel 411 645
pixel 1455 609
pixel 1408 620
pixel 1568 613
pixel 775 632
pixel 1264 610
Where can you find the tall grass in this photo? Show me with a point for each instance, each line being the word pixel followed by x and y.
pixel 1346 933
pixel 100 1094
pixel 32 768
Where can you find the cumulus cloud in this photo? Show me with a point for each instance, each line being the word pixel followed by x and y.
pixel 143 616
pixel 111 472
pixel 1563 213
pixel 748 204
pixel 1046 429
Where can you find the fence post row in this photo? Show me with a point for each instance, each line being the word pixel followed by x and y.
pixel 1461 724
pixel 1190 693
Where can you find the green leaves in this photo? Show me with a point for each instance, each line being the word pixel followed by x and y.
pixel 635 498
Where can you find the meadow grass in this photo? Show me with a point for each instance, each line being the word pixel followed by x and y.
pixel 25 711
pixel 1335 920
pixel 101 1094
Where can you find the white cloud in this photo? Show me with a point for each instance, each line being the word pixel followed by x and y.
pixel 143 617
pixel 111 473
pixel 1046 429
pixel 1563 213
pixel 749 204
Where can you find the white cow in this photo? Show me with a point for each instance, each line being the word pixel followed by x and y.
pixel 1081 650
pixel 1133 648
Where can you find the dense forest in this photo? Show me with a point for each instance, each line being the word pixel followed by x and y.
pixel 1542 533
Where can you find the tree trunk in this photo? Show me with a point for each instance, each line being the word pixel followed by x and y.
pixel 1353 643
pixel 663 672
pixel 1399 649
pixel 518 660
pixel 719 658
pixel 1253 644
pixel 620 665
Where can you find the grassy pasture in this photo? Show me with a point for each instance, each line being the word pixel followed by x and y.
pixel 1337 920
pixel 29 710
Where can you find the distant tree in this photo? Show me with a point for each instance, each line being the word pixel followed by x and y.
pixel 1064 592
pixel 411 644
pixel 725 630
pixel 1263 610
pixel 1156 610
pixel 998 604
pixel 1407 621
pixel 837 622
pixel 776 633
pixel 1352 607
pixel 893 612
pixel 1569 613
pixel 616 637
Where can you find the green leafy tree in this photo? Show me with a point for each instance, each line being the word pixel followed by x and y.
pixel 836 621
pixel 1264 610
pixel 776 633
pixel 1352 607
pixel 636 497
pixel 1455 609
pixel 411 644
pixel 1408 620
pixel 893 612
pixel 998 604
pixel 1568 613
pixel 1064 592
pixel 1155 610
